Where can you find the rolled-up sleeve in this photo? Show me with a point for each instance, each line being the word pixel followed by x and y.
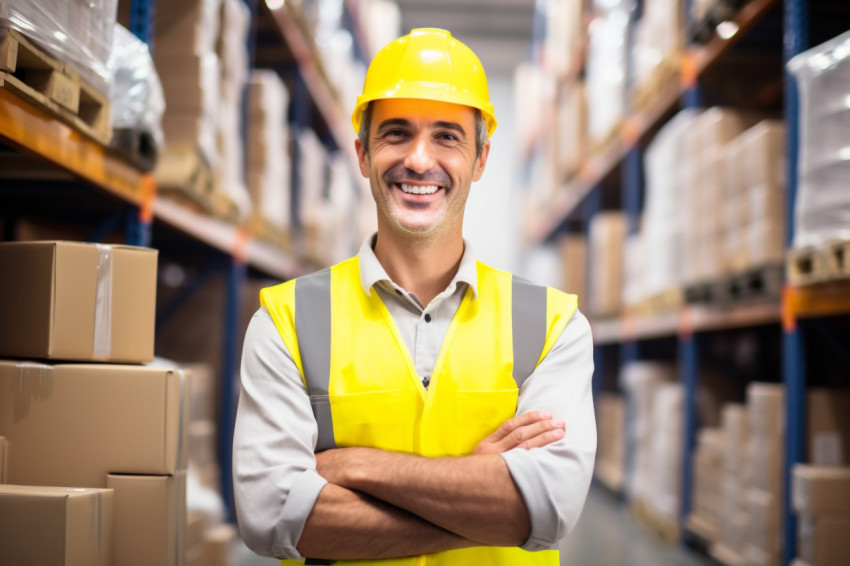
pixel 274 466
pixel 554 480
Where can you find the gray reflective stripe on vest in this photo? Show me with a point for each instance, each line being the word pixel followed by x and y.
pixel 313 329
pixel 528 322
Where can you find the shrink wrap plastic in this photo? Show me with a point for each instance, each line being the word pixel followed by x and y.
pixel 137 99
pixel 606 71
pixel 822 208
pixel 76 32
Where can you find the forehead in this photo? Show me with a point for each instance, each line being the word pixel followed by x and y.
pixel 416 110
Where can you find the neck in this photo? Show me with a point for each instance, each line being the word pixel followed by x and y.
pixel 423 266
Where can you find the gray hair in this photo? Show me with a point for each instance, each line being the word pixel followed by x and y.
pixel 481 134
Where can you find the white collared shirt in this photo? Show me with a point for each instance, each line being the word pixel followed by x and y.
pixel 274 466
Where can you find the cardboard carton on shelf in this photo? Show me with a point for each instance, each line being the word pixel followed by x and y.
pixel 150 519
pixel 822 540
pixel 76 301
pixel 188 26
pixel 817 490
pixel 764 152
pixel 765 523
pixel 53 525
pixel 765 467
pixel 71 424
pixel 766 409
pixel 828 427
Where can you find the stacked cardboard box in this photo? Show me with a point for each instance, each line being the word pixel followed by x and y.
pixel 574 267
pixel 766 454
pixel 732 539
pixel 703 175
pixel 754 197
pixel 610 465
pixel 607 240
pixel 641 381
pixel 562 49
pixel 119 428
pixel 185 57
pixel 232 51
pixel 666 450
pixel 569 139
pixel 828 427
pixel 658 43
pixel 269 179
pixel 821 498
pixel 708 469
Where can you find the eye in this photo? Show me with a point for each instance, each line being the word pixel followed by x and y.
pixel 394 134
pixel 448 136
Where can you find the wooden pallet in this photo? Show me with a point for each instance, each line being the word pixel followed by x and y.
pixel 183 173
pixel 136 146
pixel 33 74
pixel 758 283
pixel 827 263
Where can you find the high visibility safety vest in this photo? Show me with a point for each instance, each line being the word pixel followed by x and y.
pixel 365 391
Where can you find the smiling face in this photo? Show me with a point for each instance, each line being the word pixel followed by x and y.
pixel 421 162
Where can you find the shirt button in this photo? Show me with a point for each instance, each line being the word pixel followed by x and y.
pixel 427 318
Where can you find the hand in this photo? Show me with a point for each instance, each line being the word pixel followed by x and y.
pixel 330 464
pixel 529 430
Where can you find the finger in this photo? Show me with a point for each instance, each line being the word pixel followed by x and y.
pixel 543 439
pixel 510 425
pixel 525 434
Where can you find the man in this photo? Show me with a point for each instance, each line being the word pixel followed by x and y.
pixel 411 405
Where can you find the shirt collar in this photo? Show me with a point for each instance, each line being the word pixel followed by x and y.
pixel 372 272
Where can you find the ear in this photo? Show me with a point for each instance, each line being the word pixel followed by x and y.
pixel 481 162
pixel 362 158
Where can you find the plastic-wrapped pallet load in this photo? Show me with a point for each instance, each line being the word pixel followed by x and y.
pixel 606 68
pixel 658 43
pixel 76 32
pixel 820 497
pixel 269 178
pixel 607 240
pixel 640 381
pixel 564 29
pixel 666 450
pixel 822 206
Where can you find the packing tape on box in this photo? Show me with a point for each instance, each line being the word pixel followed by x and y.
pixel 103 303
pixel 29 389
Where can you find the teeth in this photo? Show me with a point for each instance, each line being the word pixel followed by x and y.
pixel 419 190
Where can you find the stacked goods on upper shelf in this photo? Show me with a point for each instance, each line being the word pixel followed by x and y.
pixel 93 425
pixel 822 206
pixel 708 469
pixel 606 68
pixel 574 267
pixel 657 48
pixel 55 56
pixel 562 46
pixel 650 389
pixel 754 196
pixel 75 32
pixel 384 17
pixel 820 494
pixel 656 270
pixel 607 238
pixel 232 51
pixel 202 115
pixel 569 138
pixel 610 464
pixel 326 205
pixel 269 178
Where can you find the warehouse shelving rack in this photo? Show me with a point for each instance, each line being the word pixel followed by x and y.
pixel 691 326
pixel 97 191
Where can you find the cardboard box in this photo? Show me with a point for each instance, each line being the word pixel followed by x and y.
pixel 755 556
pixel 202 443
pixel 76 301
pixel 149 519
pixel 823 540
pixel 196 525
pixel 766 409
pixel 820 490
pixel 765 523
pixel 196 556
pixel 219 544
pixel 828 427
pixel 735 427
pixel 41 526
pixel 574 267
pixel 3 450
pixel 766 464
pixel 71 424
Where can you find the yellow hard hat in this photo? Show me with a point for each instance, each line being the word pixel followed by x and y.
pixel 428 63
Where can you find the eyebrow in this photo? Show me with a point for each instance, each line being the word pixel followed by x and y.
pixel 442 124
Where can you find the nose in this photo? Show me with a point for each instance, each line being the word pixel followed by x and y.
pixel 419 158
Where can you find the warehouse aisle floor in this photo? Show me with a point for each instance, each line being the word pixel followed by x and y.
pixel 607 535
